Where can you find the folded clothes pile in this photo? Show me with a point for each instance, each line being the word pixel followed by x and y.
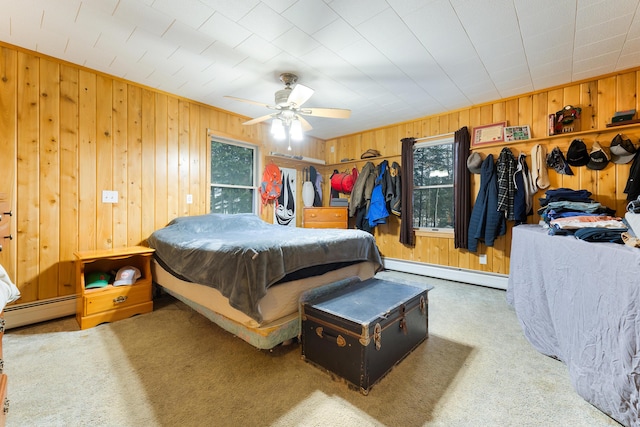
pixel 574 212
pixel 565 202
pixel 612 235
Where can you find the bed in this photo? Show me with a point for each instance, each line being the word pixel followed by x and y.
pixel 579 302
pixel 247 275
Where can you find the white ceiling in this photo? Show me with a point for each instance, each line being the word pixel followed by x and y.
pixel 386 60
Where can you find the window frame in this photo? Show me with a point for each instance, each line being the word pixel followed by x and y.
pixel 256 167
pixel 436 231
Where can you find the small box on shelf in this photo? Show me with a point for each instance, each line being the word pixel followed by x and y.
pixel 623 116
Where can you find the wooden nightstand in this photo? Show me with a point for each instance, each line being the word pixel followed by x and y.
pixel 111 303
pixel 327 217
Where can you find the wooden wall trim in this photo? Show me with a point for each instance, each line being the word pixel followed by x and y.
pixel 68 132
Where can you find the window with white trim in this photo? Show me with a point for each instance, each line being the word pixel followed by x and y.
pixel 234 187
pixel 433 200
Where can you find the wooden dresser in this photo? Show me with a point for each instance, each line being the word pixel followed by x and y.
pixel 327 217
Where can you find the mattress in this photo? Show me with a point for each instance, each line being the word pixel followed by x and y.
pixel 279 307
pixel 242 256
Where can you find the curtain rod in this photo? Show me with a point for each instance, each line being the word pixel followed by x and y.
pixel 435 136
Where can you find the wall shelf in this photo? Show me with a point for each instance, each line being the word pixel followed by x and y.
pixel 294 162
pixel 363 161
pixel 572 135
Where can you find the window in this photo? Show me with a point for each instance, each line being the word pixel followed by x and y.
pixel 233 177
pixel 433 199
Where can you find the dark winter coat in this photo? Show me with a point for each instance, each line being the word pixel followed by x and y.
pixel 633 181
pixel 395 204
pixel 486 221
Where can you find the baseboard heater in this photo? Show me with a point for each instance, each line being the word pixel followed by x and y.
pixel 491 280
pixel 38 311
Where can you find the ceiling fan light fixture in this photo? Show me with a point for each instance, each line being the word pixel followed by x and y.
pixel 277 129
pixel 288 121
pixel 296 129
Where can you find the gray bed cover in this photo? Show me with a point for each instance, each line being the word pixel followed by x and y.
pixel 580 302
pixel 241 255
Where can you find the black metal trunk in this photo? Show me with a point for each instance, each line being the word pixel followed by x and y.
pixel 362 331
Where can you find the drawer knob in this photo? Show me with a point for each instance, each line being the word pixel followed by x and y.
pixel 120 299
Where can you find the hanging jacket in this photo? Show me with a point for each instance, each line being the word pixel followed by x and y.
pixel 378 213
pixel 506 169
pixel 316 181
pixel 361 193
pixel 395 204
pixel 525 189
pixel 486 222
pixel 632 188
pixel 361 223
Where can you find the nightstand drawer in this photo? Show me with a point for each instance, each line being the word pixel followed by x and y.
pixel 117 297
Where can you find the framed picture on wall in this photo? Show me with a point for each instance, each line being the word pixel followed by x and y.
pixel 517 133
pixel 488 134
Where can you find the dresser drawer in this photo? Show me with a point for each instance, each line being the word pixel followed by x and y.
pixel 329 217
pixel 117 297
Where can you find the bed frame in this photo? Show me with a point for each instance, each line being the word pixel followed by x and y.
pixel 279 307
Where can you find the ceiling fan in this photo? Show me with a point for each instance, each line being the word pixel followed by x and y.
pixel 288 106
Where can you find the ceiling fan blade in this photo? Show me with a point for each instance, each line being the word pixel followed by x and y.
pixel 262 104
pixel 334 113
pixel 299 95
pixel 306 126
pixel 258 120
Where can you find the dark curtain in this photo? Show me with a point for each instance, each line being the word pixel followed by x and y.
pixel 461 188
pixel 407 236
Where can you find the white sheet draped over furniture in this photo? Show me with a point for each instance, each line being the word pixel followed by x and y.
pixel 580 303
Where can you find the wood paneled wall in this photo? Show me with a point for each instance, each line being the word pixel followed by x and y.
pixel 599 99
pixel 67 133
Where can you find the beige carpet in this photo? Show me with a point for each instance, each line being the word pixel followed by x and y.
pixel 173 367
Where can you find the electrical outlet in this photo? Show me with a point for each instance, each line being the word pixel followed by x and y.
pixel 109 196
pixel 483 259
pixel 333 149
pixel 189 199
